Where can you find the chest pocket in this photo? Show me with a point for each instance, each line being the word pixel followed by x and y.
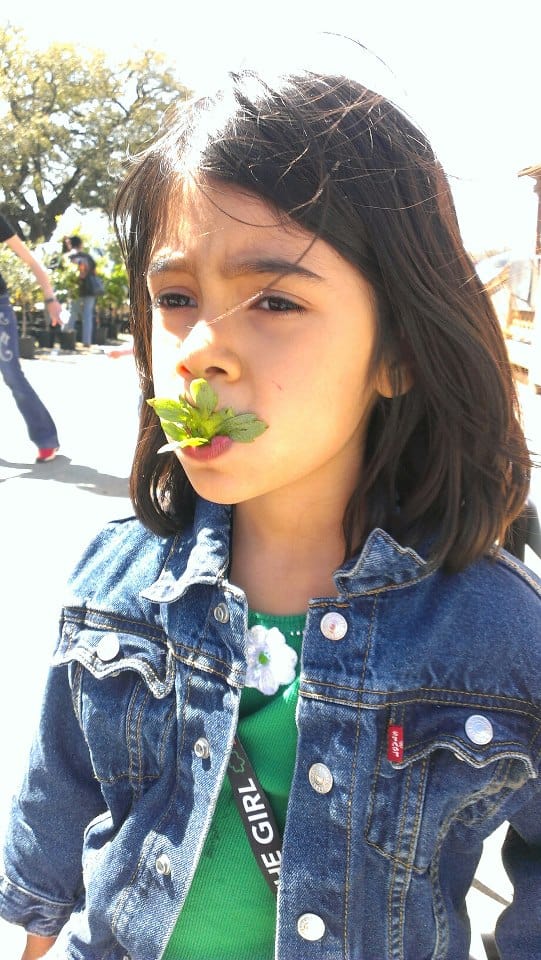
pixel 457 764
pixel 122 695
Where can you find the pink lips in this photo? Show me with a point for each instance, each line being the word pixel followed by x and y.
pixel 209 451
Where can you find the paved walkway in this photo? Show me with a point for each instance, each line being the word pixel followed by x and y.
pixel 49 512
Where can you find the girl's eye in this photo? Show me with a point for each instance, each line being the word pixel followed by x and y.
pixel 173 300
pixel 276 304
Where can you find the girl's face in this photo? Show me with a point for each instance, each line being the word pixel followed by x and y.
pixel 281 326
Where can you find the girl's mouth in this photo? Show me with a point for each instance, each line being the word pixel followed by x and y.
pixel 209 451
pixel 196 422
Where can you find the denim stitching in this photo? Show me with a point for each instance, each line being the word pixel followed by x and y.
pixel 232 676
pixel 139 739
pixel 329 605
pixel 76 692
pixel 166 729
pixel 493 799
pixel 123 897
pixel 390 895
pixel 128 732
pixel 353 769
pixel 349 829
pixel 308 695
pixel 106 620
pixel 88 659
pixel 372 797
pixel 523 574
pixel 425 690
pixel 135 768
pixel 403 867
pixel 39 898
pixel 440 914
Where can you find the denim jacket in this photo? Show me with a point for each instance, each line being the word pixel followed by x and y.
pixel 420 697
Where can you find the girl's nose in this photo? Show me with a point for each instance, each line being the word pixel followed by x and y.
pixel 205 352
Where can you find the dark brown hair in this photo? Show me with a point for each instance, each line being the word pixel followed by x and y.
pixel 446 461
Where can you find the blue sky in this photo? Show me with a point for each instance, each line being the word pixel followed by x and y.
pixel 467 72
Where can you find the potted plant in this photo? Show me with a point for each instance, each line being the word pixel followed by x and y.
pixel 24 294
pixel 27 343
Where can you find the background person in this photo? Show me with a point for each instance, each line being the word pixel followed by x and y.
pixel 82 308
pixel 39 423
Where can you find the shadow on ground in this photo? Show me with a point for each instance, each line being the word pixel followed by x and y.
pixel 62 470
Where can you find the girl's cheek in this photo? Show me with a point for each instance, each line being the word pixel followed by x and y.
pixel 165 358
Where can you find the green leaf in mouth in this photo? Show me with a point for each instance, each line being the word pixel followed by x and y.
pixel 194 422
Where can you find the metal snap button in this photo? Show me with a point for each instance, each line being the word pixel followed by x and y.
pixel 163 865
pixel 320 777
pixel 479 729
pixel 221 613
pixel 201 748
pixel 108 648
pixel 310 926
pixel 333 626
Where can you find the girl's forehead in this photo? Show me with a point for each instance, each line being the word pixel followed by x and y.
pixel 214 226
pixel 200 214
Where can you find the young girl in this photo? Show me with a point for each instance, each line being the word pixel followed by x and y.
pixel 307 659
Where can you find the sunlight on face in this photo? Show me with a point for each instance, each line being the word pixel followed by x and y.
pixel 281 326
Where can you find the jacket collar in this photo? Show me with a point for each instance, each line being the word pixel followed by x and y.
pixel 201 555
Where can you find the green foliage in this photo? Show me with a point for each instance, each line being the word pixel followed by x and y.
pixel 65 279
pixel 109 266
pixel 194 422
pixel 115 277
pixel 23 289
pixel 68 119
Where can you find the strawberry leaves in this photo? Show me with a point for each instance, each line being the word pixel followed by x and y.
pixel 195 421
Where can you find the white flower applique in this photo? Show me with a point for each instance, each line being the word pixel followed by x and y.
pixel 270 661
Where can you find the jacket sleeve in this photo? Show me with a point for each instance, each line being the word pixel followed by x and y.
pixel 518 931
pixel 41 879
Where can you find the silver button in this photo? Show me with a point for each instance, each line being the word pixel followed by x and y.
pixel 108 647
pixel 163 865
pixel 310 926
pixel 333 626
pixel 221 613
pixel 479 729
pixel 201 748
pixel 320 777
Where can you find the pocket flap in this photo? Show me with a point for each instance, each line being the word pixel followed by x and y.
pixel 478 735
pixel 108 652
pixel 441 763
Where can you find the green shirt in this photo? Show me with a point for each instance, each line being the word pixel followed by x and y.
pixel 230 912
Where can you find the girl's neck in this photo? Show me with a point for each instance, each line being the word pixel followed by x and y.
pixel 282 558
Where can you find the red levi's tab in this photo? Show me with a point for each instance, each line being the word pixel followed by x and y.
pixel 395 743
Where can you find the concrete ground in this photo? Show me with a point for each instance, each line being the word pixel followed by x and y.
pixel 49 512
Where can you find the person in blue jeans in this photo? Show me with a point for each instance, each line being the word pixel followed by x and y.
pixel 82 308
pixel 40 425
pixel 293 695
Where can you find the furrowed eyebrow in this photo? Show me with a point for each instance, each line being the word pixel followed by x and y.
pixel 266 265
pixel 167 264
pixel 236 268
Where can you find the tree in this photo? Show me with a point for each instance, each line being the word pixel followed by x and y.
pixel 67 122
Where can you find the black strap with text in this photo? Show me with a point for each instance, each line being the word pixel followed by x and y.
pixel 256 814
